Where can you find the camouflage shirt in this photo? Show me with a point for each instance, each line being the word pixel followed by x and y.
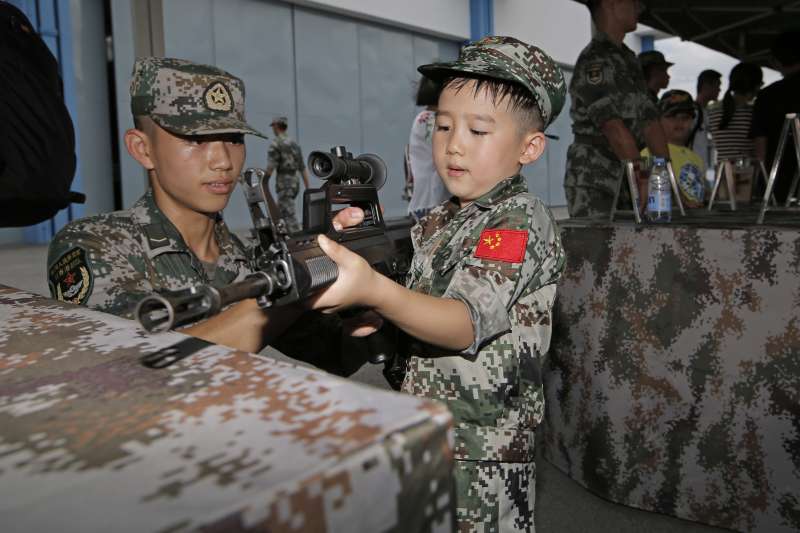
pixel 607 84
pixel 285 156
pixel 111 261
pixel 501 255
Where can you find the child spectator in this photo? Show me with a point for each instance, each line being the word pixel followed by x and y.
pixel 677 116
pixel 730 121
pixel 477 304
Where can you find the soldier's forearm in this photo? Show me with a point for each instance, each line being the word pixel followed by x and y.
pixel 656 140
pixel 620 139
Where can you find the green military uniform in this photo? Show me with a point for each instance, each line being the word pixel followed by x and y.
pixel 501 255
pixel 607 84
pixel 286 157
pixel 111 261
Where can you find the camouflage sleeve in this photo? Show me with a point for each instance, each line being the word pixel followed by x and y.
pixel 490 287
pixel 87 269
pixel 273 156
pixel 593 86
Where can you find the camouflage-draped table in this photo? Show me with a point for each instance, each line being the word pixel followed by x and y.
pixel 93 440
pixel 673 381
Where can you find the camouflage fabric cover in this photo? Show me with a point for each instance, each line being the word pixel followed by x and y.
pixel 188 98
pixel 672 382
pixel 493 388
pixel 92 440
pixel 286 157
pixel 607 83
pixel 507 58
pixel 111 261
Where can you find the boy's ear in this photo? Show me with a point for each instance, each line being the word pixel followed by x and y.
pixel 138 144
pixel 533 147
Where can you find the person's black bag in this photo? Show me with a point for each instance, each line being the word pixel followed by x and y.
pixel 37 142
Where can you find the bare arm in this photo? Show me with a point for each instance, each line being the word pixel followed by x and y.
pixel 305 178
pixel 444 322
pixel 620 139
pixel 244 326
pixel 656 139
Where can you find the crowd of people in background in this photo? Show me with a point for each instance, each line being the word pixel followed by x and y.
pixel 743 127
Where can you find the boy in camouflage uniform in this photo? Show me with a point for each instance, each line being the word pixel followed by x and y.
pixel 286 158
pixel 189 136
pixel 477 304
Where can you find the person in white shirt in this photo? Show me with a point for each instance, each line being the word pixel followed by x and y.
pixel 428 189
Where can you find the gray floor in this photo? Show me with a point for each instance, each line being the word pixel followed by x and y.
pixel 562 506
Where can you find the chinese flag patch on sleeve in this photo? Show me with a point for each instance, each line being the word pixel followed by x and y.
pixel 502 245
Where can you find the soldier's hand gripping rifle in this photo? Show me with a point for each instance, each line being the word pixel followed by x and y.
pixel 290 267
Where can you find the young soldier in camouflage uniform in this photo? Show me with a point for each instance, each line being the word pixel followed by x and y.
pixel 286 158
pixel 189 135
pixel 479 295
pixel 613 116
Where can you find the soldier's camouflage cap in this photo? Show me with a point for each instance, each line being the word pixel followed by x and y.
pixel 507 58
pixel 188 98
pixel 279 119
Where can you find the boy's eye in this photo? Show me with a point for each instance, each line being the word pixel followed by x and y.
pixel 478 132
pixel 442 127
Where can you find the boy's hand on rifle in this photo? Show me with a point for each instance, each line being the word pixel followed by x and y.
pixel 357 282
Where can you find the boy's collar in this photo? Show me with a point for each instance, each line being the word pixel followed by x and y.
pixel 503 190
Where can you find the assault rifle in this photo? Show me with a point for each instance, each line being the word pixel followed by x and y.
pixel 291 267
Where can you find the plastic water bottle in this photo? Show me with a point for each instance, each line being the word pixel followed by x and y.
pixel 659 193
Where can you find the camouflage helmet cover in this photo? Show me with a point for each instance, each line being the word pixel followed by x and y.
pixel 507 58
pixel 188 98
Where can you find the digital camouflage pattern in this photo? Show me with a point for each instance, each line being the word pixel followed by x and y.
pixel 672 381
pixel 126 255
pixel 607 83
pixel 91 440
pixel 507 58
pixel 494 387
pixel 188 98
pixel 285 157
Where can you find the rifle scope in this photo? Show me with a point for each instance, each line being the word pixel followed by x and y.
pixel 339 165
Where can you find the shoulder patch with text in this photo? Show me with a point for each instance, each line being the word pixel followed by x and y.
pixel 71 277
pixel 506 245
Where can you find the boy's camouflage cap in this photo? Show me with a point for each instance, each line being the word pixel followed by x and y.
pixel 506 58
pixel 188 98
pixel 676 101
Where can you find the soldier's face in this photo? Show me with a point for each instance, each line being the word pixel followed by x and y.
pixel 477 143
pixel 196 172
pixel 677 127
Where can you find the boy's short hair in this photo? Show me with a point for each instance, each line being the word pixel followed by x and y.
pixel 187 98
pixel 427 91
pixel 520 102
pixel 508 67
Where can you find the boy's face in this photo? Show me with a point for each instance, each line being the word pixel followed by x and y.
pixel 477 143
pixel 196 172
pixel 677 127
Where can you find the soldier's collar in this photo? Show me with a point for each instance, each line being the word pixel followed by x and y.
pixel 503 190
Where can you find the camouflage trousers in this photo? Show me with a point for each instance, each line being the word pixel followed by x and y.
pixel 494 497
pixel 287 186
pixel 592 176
